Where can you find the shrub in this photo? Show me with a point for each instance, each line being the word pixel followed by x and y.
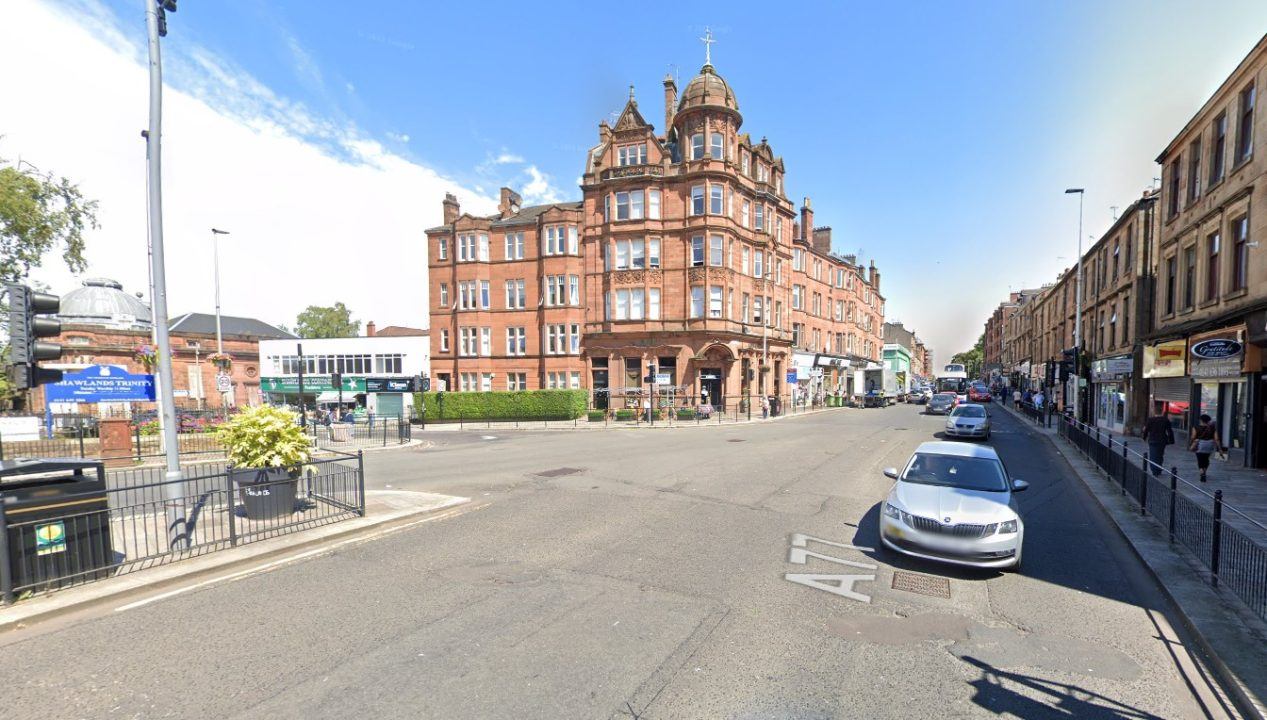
pixel 504 405
pixel 625 414
pixel 265 437
pixel 685 414
pixel 596 415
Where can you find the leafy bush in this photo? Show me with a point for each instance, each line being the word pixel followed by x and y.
pixel 625 414
pixel 685 414
pixel 504 405
pixel 264 437
pixel 596 415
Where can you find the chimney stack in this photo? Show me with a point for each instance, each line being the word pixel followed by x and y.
pixel 807 222
pixel 510 202
pixel 670 103
pixel 451 209
pixel 370 329
pixel 822 239
pixel 875 278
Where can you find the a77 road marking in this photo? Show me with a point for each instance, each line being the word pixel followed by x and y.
pixel 843 584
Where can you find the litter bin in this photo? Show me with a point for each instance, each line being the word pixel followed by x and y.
pixel 56 523
pixel 776 408
pixel 339 432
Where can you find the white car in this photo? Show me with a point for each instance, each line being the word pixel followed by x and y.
pixel 954 502
pixel 968 420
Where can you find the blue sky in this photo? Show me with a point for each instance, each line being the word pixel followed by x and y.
pixel 935 138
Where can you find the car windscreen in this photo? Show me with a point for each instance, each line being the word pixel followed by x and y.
pixel 944 396
pixel 969 411
pixel 967 473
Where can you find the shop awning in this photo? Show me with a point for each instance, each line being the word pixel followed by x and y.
pixel 332 396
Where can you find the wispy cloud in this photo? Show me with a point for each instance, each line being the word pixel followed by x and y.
pixel 237 155
pixel 513 170
pixel 398 137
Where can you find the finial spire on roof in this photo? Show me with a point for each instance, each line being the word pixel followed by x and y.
pixel 631 97
pixel 708 42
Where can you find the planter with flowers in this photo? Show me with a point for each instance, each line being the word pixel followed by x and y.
pixel 222 361
pixel 267 451
pixel 146 356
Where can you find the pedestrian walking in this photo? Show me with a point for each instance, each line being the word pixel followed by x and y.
pixel 1205 442
pixel 765 407
pixel 1158 434
pixel 1016 397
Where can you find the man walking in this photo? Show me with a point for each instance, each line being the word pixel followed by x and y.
pixel 1158 434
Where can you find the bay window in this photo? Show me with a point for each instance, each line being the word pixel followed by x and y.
pixel 714 301
pixel 697 301
pixel 715 244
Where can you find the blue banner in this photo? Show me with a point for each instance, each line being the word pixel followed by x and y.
pixel 101 383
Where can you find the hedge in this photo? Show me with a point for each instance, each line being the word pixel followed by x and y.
pixel 505 405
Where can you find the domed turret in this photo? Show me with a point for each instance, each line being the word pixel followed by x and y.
pixel 708 89
pixel 101 301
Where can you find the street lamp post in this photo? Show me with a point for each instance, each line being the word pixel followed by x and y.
pixel 215 245
pixel 155 22
pixel 1077 318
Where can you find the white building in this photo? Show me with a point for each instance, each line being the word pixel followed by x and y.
pixel 393 353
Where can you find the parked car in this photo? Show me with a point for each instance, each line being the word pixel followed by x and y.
pixel 940 404
pixel 979 394
pixel 968 421
pixel 954 502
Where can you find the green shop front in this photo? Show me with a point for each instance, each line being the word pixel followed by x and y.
pixel 381 396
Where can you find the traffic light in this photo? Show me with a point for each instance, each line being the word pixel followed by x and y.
pixel 336 380
pixel 426 384
pixel 25 329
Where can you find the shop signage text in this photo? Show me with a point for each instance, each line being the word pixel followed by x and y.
pixel 1216 349
pixel 312 384
pixel 101 383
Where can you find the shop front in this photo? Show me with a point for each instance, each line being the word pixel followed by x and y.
pixel 1220 385
pixel 809 378
pixel 1111 381
pixel 1165 368
pixel 835 384
pixel 1256 420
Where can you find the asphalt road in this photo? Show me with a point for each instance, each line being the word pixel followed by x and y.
pixel 645 574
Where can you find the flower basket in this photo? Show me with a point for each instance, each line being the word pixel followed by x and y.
pixel 146 356
pixel 223 361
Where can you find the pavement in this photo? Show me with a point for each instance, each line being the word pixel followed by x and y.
pixel 384 509
pixel 725 574
pixel 1232 636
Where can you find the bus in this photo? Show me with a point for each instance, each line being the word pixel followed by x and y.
pixel 953 378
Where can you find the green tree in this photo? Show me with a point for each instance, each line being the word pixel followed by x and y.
pixel 39 212
pixel 327 322
pixel 973 359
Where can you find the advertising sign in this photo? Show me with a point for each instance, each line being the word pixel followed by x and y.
pixel 389 385
pixel 1111 369
pixel 50 538
pixel 1216 355
pixel 1166 360
pixel 101 383
pixel 663 379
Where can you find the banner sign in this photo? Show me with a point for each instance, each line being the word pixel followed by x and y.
pixel 1217 354
pixel 389 385
pixel 1113 368
pixel 312 384
pixel 1166 360
pixel 101 383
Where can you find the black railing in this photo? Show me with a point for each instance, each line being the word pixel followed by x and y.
pixel 1229 543
pixel 125 528
pixel 380 431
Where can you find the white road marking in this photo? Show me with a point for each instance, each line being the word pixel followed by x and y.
pixel 798 556
pixel 843 586
pixel 286 560
pixel 800 539
pixel 488 437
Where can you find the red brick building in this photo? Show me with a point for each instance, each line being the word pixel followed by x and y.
pixel 680 256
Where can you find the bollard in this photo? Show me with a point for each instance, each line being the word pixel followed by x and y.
pixel 1216 536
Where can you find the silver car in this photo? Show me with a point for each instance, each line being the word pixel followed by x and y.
pixel 968 420
pixel 954 502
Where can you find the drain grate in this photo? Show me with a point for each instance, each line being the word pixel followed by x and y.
pixel 921 584
pixel 559 472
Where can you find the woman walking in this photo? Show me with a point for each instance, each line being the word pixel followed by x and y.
pixel 1205 442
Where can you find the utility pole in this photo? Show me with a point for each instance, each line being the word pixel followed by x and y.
pixel 172 491
pixel 215 244
pixel 1077 318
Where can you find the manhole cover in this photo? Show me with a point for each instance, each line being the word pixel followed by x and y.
pixel 559 472
pixel 921 584
pixel 736 440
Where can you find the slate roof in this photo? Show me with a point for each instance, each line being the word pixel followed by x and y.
pixel 230 326
pixel 400 331
pixel 525 216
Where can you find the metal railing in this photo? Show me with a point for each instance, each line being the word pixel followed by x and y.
pixel 125 528
pixel 380 431
pixel 1229 543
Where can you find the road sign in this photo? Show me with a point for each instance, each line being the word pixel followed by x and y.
pixel 664 379
pixel 224 383
pixel 791 377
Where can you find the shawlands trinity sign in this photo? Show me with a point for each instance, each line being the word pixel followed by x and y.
pixel 101 383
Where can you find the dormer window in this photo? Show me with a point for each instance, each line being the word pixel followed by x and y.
pixel 632 155
pixel 763 174
pixel 697 146
pixel 715 149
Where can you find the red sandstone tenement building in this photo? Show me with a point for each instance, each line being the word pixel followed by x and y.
pixel 684 254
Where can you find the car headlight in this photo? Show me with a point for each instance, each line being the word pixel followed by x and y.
pixel 1007 527
pixel 891 510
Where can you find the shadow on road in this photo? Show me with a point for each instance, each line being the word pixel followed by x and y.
pixel 1062 699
